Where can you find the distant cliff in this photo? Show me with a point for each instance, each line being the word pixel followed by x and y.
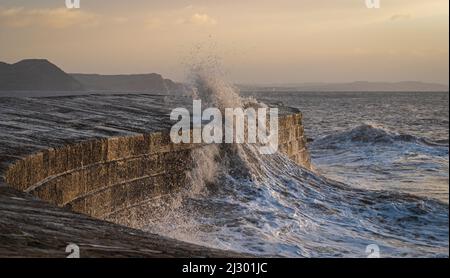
pixel 42 75
pixel 36 75
pixel 152 82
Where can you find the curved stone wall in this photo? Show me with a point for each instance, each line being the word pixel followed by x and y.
pixel 103 177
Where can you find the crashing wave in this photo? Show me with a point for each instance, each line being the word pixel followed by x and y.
pixel 268 205
pixel 373 134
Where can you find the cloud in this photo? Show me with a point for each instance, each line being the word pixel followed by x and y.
pixel 153 22
pixel 400 17
pixel 120 20
pixel 19 17
pixel 198 19
pixel 202 19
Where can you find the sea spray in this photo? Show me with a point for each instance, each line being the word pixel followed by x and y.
pixel 205 170
pixel 268 205
pixel 208 85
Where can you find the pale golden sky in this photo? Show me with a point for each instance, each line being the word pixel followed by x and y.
pixel 258 41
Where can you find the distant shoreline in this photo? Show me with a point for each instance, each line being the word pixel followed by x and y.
pixel 4 93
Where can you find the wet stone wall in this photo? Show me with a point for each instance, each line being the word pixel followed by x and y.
pixel 103 177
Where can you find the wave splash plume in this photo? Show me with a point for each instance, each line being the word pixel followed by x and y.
pixel 268 205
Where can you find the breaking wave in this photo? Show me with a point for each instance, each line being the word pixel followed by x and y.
pixel 277 208
pixel 374 134
pixel 268 205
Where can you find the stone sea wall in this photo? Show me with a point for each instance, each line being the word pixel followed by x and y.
pixel 105 177
pixel 74 167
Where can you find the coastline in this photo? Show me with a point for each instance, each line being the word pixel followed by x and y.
pixel 103 179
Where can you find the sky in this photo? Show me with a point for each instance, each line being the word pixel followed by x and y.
pixel 256 41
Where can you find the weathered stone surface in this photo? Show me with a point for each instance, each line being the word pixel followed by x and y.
pixel 56 150
pixel 33 228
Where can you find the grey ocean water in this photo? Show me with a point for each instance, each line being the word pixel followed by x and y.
pixel 380 177
pixel 378 140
